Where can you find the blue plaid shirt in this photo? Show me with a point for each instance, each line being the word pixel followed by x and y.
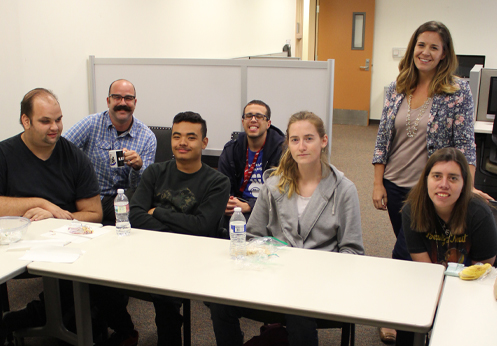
pixel 96 135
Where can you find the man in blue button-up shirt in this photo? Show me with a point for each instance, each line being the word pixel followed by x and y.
pixel 115 129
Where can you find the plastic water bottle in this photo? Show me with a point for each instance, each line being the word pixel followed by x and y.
pixel 238 234
pixel 121 207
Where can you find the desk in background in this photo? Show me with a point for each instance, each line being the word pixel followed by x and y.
pixel 483 127
pixel 486 174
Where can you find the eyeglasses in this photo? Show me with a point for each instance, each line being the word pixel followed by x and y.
pixel 258 116
pixel 118 97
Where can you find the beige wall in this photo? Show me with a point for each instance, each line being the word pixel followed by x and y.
pixel 473 25
pixel 47 43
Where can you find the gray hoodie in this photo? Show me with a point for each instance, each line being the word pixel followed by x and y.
pixel 330 222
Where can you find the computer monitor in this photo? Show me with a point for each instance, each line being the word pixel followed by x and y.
pixel 487 96
pixel 467 62
pixel 492 97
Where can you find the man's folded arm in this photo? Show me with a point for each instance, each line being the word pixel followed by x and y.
pixel 89 209
pixel 205 222
pixel 142 202
pixel 18 206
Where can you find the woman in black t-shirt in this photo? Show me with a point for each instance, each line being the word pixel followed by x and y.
pixel 443 220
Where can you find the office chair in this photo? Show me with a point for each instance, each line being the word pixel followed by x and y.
pixel 164 151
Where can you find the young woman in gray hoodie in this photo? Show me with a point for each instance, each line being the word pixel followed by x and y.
pixel 307 203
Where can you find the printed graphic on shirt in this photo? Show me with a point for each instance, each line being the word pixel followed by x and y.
pixel 255 182
pixel 449 248
pixel 179 200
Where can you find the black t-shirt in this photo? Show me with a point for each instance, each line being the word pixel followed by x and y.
pixel 64 178
pixel 479 242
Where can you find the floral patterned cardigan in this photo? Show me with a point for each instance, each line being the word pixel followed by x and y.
pixel 450 123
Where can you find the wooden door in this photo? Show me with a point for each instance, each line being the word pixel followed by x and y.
pixel 335 40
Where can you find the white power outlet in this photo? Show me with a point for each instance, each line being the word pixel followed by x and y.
pixel 398 52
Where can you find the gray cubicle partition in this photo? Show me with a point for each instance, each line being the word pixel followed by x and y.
pixel 217 89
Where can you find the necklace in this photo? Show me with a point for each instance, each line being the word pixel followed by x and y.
pixel 442 257
pixel 412 130
pixel 444 227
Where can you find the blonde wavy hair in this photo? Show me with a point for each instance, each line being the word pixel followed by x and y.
pixel 444 79
pixel 288 170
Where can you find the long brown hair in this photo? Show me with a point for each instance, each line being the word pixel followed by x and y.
pixel 288 169
pixel 423 214
pixel 444 79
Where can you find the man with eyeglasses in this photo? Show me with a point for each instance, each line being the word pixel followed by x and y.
pixel 115 129
pixel 245 159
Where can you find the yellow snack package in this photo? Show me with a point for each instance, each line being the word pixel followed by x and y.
pixel 475 271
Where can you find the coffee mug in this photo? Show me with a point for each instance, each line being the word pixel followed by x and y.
pixel 116 158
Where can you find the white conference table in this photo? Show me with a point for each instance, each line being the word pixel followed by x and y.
pixel 11 264
pixel 348 288
pixel 483 127
pixel 467 314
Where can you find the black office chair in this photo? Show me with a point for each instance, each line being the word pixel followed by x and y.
pixel 164 151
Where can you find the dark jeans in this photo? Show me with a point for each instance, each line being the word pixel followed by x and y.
pixel 404 338
pixel 168 320
pixel 396 196
pixel 302 331
pixel 108 207
pixel 110 304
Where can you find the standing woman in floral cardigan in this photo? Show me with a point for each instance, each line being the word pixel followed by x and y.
pixel 427 108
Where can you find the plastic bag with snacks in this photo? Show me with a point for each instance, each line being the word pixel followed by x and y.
pixel 261 250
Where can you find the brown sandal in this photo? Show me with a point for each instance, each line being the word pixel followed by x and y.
pixel 387 335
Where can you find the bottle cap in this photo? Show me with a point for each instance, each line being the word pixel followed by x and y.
pixel 238 209
pixel 119 191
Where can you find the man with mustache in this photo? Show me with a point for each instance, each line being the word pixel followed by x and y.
pixel 116 128
pixel 183 196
